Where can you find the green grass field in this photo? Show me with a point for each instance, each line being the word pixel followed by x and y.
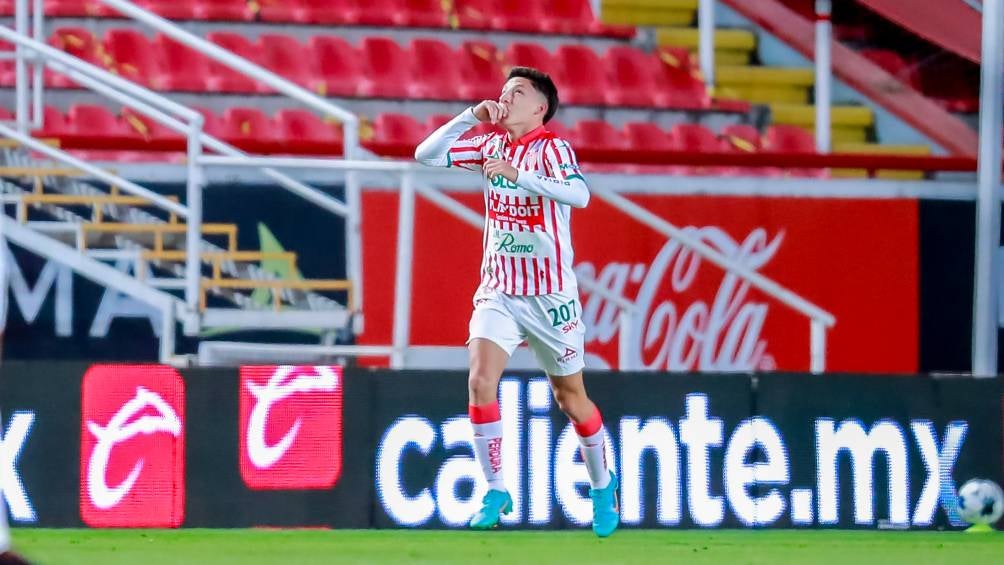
pixel 245 547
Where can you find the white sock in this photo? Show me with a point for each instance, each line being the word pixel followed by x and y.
pixel 488 451
pixel 594 454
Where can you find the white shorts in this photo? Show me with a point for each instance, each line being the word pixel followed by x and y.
pixel 550 324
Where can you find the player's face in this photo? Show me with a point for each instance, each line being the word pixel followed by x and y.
pixel 524 103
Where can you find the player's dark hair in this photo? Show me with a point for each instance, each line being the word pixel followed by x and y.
pixel 542 83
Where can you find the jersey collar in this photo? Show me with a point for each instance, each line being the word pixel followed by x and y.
pixel 530 136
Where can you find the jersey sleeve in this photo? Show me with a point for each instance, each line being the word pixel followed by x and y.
pixel 562 180
pixel 444 148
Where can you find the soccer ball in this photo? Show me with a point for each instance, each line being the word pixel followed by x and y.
pixel 980 502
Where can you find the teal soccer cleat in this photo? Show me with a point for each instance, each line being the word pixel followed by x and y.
pixel 493 505
pixel 606 511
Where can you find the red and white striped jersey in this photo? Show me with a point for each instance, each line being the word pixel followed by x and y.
pixel 527 242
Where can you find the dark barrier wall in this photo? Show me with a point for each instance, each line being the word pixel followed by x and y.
pixel 116 445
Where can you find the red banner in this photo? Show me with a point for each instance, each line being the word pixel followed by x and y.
pixel 132 447
pixel 857 259
pixel 290 427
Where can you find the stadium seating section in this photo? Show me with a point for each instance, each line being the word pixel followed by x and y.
pixel 610 73
pixel 380 67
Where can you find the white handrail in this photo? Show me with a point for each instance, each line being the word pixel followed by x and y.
pixel 706 42
pixel 134 96
pixel 349 120
pixel 96 172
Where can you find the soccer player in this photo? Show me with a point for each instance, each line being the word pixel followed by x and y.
pixel 528 290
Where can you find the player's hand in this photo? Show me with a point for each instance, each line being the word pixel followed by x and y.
pixel 498 167
pixel 490 111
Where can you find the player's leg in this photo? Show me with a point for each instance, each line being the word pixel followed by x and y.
pixel 557 337
pixel 494 335
pixel 487 361
pixel 570 395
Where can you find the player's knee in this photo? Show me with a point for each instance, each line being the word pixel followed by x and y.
pixel 569 401
pixel 481 385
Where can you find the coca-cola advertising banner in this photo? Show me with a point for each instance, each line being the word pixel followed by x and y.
pixel 857 259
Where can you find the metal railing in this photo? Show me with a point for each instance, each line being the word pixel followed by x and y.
pixel 351 209
pixel 820 319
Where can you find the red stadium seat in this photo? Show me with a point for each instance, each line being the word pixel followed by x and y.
pixel 517 15
pixel 97 121
pixel 678 87
pixel 647 136
pixel 278 11
pixel 53 123
pixel 131 55
pixel 181 68
pixel 339 70
pixel 741 138
pixel 6 8
pixel 324 12
pixel 433 78
pixel 250 128
pixel 305 128
pixel 630 75
pixel 598 135
pixel 792 139
pixel 224 10
pixel 151 131
pixel 77 9
pixel 224 79
pixel 7 71
pixel 287 57
pixel 213 124
pixel 423 13
pixel 569 17
pixel 560 130
pixel 693 137
pixel 577 83
pixel 386 69
pixel 397 129
pixel 78 42
pixel 789 139
pixel 379 13
pixel 481 67
pixel 170 9
pixel 530 55
pixel 474 14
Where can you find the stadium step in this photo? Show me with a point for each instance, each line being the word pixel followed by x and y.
pixel 765 85
pixel 850 124
pixel 690 37
pixel 875 148
pixel 649 12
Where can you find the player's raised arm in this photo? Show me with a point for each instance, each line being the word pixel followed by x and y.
pixel 443 147
pixel 562 181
